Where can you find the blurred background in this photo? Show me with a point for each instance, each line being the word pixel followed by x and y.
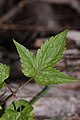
pixel 31 22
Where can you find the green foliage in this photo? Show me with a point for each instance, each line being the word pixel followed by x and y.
pixel 51 51
pixel 52 76
pixel 18 110
pixel 4 74
pixel 27 60
pixel 2 119
pixel 40 67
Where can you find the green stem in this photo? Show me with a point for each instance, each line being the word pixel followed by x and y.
pixel 39 95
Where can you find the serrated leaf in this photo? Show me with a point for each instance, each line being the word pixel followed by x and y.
pixel 13 113
pixel 4 74
pixel 51 51
pixel 52 76
pixel 27 60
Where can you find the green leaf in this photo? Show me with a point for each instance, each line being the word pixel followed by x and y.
pixel 4 74
pixel 51 51
pixel 10 115
pixel 13 111
pixel 2 119
pixel 27 60
pixel 52 76
pixel 40 67
pixel 15 105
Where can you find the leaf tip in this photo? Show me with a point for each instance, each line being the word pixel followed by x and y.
pixel 65 31
pixel 14 41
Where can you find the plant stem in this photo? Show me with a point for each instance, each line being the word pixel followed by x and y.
pixel 33 100
pixel 39 95
pixel 8 87
pixel 19 88
pixel 6 99
pixel 14 92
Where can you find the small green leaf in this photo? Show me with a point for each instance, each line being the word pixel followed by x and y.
pixel 10 115
pixel 13 111
pixel 27 60
pixel 15 105
pixel 4 74
pixel 52 76
pixel 51 51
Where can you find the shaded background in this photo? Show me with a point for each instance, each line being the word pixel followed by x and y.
pixel 31 22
